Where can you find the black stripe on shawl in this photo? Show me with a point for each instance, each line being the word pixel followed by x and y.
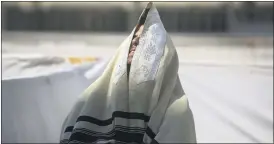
pixel 122 134
pixel 118 135
pixel 154 142
pixel 69 129
pixel 151 135
pixel 115 114
pixel 124 129
pixel 135 135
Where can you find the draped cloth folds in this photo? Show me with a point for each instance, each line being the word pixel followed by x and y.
pixel 144 105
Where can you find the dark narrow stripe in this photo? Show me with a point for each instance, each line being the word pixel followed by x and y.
pixel 128 115
pixel 150 133
pixel 116 127
pixel 90 132
pixel 129 128
pixel 69 129
pixel 119 136
pixel 95 121
pixel 154 142
pixel 119 114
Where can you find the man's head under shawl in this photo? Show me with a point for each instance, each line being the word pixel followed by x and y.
pixel 137 33
pixel 138 98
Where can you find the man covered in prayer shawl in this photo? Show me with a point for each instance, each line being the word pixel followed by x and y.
pixel 139 97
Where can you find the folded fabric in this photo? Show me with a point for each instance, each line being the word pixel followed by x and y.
pixel 144 105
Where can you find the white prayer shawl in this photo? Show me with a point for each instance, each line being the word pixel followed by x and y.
pixel 149 107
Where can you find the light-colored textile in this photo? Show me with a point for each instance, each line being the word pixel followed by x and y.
pixel 149 107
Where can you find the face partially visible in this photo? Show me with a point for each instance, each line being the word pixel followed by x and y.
pixel 134 43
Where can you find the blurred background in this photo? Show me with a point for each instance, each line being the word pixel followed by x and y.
pixel 179 17
pixel 51 51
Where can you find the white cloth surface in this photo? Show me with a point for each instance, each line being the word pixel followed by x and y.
pixel 35 101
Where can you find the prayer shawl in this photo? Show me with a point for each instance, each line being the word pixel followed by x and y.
pixel 148 107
